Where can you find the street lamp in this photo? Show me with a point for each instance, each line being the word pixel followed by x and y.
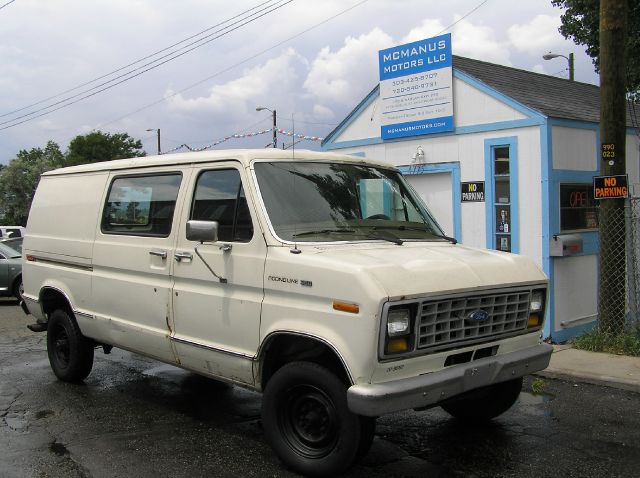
pixel 551 56
pixel 275 127
pixel 157 130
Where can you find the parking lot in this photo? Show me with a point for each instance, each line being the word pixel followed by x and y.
pixel 137 417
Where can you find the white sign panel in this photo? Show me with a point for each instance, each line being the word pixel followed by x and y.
pixel 416 88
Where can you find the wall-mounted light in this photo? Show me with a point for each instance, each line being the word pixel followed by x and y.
pixel 418 157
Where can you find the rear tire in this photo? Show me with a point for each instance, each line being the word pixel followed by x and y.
pixel 308 424
pixel 70 352
pixel 485 403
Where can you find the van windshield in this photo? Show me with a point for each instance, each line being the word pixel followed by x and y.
pixel 328 202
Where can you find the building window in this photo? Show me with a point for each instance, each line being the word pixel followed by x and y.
pixel 577 208
pixel 501 195
pixel 502 198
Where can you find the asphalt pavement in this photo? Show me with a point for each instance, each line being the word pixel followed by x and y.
pixel 136 417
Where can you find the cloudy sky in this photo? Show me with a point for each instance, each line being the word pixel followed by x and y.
pixel 311 60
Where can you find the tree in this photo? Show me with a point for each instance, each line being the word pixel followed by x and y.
pixel 581 23
pixel 19 179
pixel 98 146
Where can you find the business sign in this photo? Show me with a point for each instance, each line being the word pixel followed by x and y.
pixel 416 88
pixel 610 187
pixel 472 192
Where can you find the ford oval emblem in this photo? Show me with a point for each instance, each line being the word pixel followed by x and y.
pixel 478 316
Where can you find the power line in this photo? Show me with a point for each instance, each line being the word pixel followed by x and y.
pixel 133 73
pixel 235 65
pixel 463 17
pixel 132 63
pixel 8 3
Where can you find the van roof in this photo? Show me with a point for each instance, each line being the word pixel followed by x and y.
pixel 245 156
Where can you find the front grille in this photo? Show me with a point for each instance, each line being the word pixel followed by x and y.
pixel 446 322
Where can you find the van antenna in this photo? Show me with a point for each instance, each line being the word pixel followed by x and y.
pixel 295 249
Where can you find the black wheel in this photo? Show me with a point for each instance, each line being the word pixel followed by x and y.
pixel 70 352
pixel 308 424
pixel 18 288
pixel 367 434
pixel 485 403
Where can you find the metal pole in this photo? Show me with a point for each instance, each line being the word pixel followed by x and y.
pixel 275 130
pixel 571 67
pixel 159 150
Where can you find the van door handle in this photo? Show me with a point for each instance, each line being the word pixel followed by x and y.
pixel 179 256
pixel 158 252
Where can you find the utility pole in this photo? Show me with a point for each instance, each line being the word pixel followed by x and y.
pixel 572 68
pixel 275 124
pixel 612 62
pixel 275 130
pixel 157 130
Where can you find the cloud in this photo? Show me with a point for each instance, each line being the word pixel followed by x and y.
pixel 321 112
pixel 344 75
pixel 478 41
pixel 536 37
pixel 427 29
pixel 236 97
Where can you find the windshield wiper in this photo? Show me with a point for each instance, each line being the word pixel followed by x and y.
pixel 386 236
pixel 324 231
pixel 452 240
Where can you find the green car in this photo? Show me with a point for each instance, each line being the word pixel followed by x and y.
pixel 11 268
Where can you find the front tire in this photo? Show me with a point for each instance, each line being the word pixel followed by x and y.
pixel 485 403
pixel 308 424
pixel 18 288
pixel 70 352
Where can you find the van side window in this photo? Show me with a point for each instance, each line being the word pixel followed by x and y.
pixel 141 205
pixel 220 197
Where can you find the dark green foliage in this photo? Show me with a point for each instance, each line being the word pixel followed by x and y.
pixel 19 179
pixel 581 23
pixel 98 146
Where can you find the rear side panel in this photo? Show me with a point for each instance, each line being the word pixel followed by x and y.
pixel 60 236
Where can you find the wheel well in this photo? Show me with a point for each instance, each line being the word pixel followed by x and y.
pixel 52 299
pixel 285 348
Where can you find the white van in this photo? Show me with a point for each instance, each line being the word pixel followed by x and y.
pixel 320 280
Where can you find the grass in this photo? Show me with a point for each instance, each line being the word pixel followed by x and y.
pixel 537 386
pixel 596 340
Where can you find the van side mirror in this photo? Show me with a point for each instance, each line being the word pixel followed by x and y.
pixel 202 231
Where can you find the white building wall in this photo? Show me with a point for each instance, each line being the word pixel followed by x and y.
pixel 470 107
pixel 485 109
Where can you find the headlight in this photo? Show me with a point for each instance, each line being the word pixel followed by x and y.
pixel 398 322
pixel 536 309
pixel 537 301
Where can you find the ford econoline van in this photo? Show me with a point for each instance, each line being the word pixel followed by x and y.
pixel 320 280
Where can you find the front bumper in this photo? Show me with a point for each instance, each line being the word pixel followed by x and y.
pixel 422 391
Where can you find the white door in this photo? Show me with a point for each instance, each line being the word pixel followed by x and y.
pixel 435 189
pixel 132 259
pixel 216 324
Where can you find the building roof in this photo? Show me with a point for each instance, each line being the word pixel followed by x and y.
pixel 553 97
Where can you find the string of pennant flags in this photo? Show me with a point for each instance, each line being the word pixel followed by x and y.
pixel 245 135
